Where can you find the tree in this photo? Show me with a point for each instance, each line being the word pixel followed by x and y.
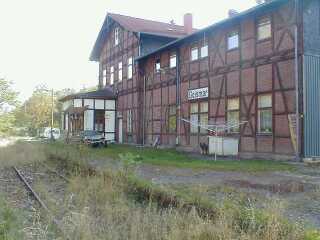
pixel 8 101
pixel 8 97
pixel 35 113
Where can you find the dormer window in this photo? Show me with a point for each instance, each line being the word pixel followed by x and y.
pixel 116 36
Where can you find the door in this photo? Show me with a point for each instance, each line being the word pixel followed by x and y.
pixel 120 140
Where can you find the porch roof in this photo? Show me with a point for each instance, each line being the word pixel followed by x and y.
pixel 105 93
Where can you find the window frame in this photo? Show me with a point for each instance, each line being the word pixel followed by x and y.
pixel 205 46
pixel 173 56
pixel 232 34
pixel 129 121
pixel 232 111
pixel 111 75
pixel 172 114
pixel 120 73
pixel 199 114
pixel 261 24
pixel 130 68
pixel 156 64
pixel 194 48
pixel 104 75
pixel 264 109
pixel 116 36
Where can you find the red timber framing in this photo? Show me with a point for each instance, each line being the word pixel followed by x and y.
pixel 127 90
pixel 254 68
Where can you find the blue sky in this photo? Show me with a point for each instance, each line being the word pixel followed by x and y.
pixel 49 41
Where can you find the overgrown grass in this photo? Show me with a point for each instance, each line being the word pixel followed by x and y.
pixel 172 158
pixel 118 205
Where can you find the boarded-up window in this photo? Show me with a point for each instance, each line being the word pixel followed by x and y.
pixel 264 28
pixel 265 114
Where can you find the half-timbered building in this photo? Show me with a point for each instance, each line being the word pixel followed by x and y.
pixel 248 85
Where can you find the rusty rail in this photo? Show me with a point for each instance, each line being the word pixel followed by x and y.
pixel 37 197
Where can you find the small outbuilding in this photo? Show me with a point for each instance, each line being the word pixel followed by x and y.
pixel 94 110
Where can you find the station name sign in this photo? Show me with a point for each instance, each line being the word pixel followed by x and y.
pixel 198 93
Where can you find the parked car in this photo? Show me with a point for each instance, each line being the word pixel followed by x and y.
pixel 46 133
pixel 93 138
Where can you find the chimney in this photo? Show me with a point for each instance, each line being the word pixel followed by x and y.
pixel 232 13
pixel 187 22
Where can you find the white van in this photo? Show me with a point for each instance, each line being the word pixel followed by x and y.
pixel 46 133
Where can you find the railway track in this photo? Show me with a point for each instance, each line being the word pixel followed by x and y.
pixel 37 197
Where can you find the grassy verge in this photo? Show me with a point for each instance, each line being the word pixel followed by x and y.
pixel 118 205
pixel 172 158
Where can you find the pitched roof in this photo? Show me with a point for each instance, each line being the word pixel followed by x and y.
pixel 137 25
pixel 105 93
pixel 252 11
pixel 149 26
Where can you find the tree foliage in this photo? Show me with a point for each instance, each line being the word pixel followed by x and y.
pixel 7 95
pixel 35 112
pixel 8 101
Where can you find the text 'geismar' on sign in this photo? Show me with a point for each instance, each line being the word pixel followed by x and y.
pixel 198 93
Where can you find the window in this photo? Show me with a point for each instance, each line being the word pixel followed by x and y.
pixel 265 114
pixel 173 61
pixel 233 40
pixel 120 71
pixel 203 116
pixel 204 51
pixel 129 121
pixel 116 36
pixel 233 114
pixel 198 115
pixel 158 65
pixel 264 28
pixel 172 119
pixel 194 53
pixel 111 75
pixel 194 117
pixel 104 75
pixel 130 69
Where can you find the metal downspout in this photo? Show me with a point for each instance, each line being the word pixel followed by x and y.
pixel 178 100
pixel 296 43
